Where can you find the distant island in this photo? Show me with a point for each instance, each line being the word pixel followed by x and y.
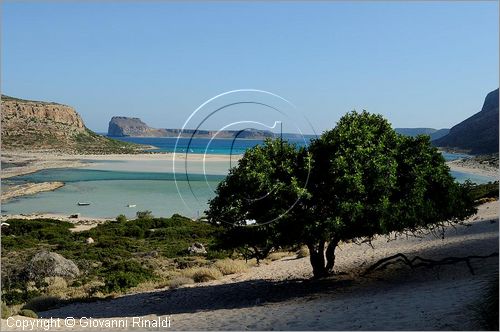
pixel 121 126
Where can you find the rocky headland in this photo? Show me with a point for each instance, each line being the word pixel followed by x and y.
pixel 121 126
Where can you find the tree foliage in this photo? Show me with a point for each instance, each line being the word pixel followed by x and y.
pixel 357 180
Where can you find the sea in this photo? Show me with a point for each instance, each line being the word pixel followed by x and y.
pixel 126 187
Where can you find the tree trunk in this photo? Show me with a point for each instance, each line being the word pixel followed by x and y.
pixel 330 255
pixel 317 257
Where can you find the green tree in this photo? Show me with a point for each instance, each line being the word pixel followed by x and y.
pixel 357 180
pixel 261 193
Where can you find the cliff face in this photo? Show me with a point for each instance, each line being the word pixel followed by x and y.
pixel 477 134
pixel 36 125
pixel 123 126
pixel 120 126
pixel 17 114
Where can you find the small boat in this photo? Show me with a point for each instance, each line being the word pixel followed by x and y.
pixel 83 203
pixel 131 205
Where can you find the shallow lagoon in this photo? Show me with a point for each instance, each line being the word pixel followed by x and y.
pixel 110 192
pixel 111 185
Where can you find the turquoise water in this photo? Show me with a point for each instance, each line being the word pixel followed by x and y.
pixel 112 185
pixel 205 145
pixel 462 177
pixel 110 192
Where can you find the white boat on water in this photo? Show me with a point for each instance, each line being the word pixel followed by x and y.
pixel 131 205
pixel 83 203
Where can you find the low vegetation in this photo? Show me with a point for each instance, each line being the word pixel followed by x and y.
pixel 28 313
pixel 203 274
pixel 125 254
pixel 303 252
pixel 231 266
pixel 484 192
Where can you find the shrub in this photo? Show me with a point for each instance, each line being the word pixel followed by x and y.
pixel 218 254
pixel 230 266
pixel 190 262
pixel 5 311
pixel 179 281
pixel 42 303
pixel 486 190
pixel 124 275
pixel 121 218
pixel 135 231
pixel 203 274
pixel 28 313
pixel 144 215
pixel 17 296
pixel 56 286
pixel 303 252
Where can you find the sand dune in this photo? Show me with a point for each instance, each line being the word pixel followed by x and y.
pixel 280 295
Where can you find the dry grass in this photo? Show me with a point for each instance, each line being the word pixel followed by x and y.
pixel 57 287
pixel 486 200
pixel 202 274
pixel 230 266
pixel 150 285
pixel 252 262
pixel 277 255
pixel 303 252
pixel 5 311
pixel 179 281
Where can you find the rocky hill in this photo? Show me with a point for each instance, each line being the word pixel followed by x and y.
pixel 433 133
pixel 121 126
pixel 477 134
pixel 29 125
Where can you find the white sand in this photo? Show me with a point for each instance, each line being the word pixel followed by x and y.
pixel 398 298
pixel 473 167
pixel 158 162
pixel 29 189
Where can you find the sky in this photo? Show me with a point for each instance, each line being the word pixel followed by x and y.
pixel 420 64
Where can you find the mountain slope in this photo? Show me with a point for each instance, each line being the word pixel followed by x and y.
pixel 477 134
pixel 433 133
pixel 29 125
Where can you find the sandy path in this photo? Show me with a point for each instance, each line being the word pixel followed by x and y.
pixel 275 296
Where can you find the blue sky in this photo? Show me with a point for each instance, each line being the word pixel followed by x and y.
pixel 420 64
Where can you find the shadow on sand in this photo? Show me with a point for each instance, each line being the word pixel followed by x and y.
pixel 251 293
pixel 200 298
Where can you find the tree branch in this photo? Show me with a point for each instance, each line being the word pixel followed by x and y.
pixel 418 261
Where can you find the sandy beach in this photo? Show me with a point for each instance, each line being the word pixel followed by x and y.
pixel 31 162
pixel 27 162
pixel 21 163
pixel 281 295
pixel 473 167
pixel 29 189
